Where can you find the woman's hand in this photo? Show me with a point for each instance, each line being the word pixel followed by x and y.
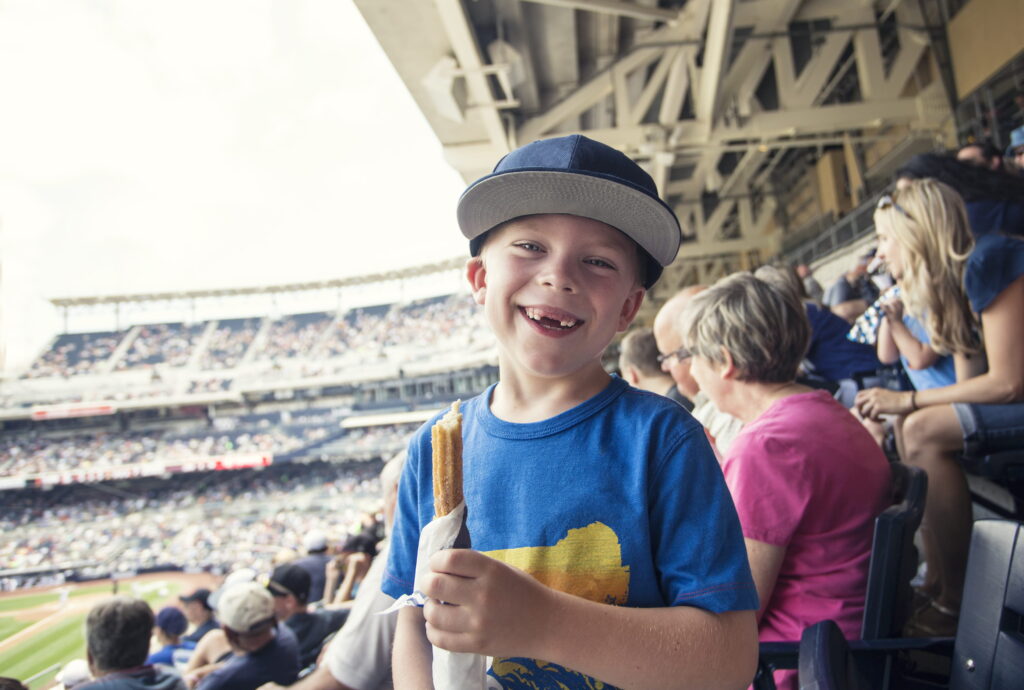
pixel 893 309
pixel 874 402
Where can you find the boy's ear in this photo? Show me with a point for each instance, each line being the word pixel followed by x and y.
pixel 630 307
pixel 476 274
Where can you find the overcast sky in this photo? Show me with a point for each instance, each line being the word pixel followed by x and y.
pixel 150 145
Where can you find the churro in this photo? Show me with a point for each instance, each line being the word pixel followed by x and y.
pixel 446 443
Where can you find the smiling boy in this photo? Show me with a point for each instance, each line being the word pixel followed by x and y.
pixel 605 545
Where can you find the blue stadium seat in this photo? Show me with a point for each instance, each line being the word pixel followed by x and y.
pixel 988 650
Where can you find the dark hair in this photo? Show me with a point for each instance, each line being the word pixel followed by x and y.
pixel 974 183
pixel 11 684
pixel 988 149
pixel 117 633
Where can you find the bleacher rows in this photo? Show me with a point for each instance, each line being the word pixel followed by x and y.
pixel 219 357
pixel 29 459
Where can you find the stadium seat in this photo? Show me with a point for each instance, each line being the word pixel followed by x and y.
pixel 988 650
pixel 1007 470
pixel 893 564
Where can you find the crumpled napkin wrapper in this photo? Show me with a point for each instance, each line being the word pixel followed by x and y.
pixel 451 670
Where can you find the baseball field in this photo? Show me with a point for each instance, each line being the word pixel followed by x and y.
pixel 42 629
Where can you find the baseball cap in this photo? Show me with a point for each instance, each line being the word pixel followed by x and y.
pixel 171 620
pixel 234 577
pixel 315 540
pixel 290 578
pixel 578 176
pixel 74 673
pixel 202 595
pixel 245 607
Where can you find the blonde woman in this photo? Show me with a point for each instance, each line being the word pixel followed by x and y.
pixel 807 479
pixel 960 291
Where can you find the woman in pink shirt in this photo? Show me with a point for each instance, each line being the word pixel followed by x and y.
pixel 807 478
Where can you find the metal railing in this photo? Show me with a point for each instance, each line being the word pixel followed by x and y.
pixel 853 226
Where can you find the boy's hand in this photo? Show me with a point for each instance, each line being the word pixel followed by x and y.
pixel 487 604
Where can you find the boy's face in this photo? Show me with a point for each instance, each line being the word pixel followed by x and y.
pixel 555 289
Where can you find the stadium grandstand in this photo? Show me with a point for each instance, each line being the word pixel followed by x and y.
pixel 219 438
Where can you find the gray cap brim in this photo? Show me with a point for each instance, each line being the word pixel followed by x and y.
pixel 501 197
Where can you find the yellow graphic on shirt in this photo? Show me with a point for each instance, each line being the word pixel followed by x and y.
pixel 587 562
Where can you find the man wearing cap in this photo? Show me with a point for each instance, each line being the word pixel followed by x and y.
pixel 315 563
pixel 289 585
pixel 199 613
pixel 117 632
pixel 1015 151
pixel 170 625
pixel 264 650
pixel 853 291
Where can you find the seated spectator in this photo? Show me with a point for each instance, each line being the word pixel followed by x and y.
pixel 199 613
pixel 359 656
pixel 117 632
pixel 315 563
pixel 994 199
pixel 951 281
pixel 639 365
pixel 720 427
pixel 289 585
pixel 263 649
pixel 807 479
pixel 831 355
pixel 170 626
pixel 982 154
pixel 812 288
pixel 1015 151
pixel 853 291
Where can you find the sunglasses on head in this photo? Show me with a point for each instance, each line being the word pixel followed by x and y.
pixel 888 202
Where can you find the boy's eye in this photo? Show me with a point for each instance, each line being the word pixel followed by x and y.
pixel 528 246
pixel 600 263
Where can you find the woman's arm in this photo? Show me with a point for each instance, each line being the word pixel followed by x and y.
pixel 918 354
pixel 765 561
pixel 886 348
pixel 1003 325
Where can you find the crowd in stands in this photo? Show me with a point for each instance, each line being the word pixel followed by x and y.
pixel 211 521
pixel 169 344
pixel 229 343
pixel 75 354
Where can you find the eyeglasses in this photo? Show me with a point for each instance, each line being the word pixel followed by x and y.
pixel 679 353
pixel 887 202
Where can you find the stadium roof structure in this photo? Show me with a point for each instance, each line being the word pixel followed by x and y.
pixel 729 104
pixel 365 279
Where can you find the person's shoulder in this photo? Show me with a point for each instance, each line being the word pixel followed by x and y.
pixel 644 409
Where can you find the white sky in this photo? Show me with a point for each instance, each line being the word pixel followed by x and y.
pixel 151 145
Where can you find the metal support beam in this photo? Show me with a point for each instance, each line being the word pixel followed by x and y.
pixel 621 9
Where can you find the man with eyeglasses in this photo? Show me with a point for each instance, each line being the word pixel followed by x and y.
pixel 675 360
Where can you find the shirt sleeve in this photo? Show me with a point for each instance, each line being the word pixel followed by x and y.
pixel 770 496
pixel 696 535
pixel 995 262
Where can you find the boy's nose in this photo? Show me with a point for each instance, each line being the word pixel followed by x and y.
pixel 559 274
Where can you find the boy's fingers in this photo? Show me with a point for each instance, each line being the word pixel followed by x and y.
pixel 452 641
pixel 444 587
pixel 459 562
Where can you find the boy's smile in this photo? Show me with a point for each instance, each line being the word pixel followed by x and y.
pixel 556 289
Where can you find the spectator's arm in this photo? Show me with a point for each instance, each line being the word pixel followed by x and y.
pixel 412 657
pixel 918 354
pixel 355 568
pixel 320 679
pixel 886 348
pixel 765 561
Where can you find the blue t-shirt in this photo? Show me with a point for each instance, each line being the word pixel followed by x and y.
pixel 996 262
pixel 941 373
pixel 988 216
pixel 276 662
pixel 166 654
pixel 834 356
pixel 619 500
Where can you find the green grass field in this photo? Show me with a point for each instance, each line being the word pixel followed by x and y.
pixel 60 643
